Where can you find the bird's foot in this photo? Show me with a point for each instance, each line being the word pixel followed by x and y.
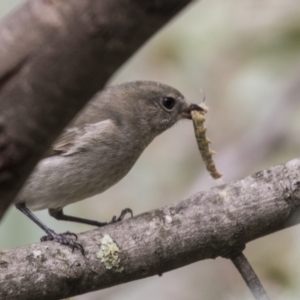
pixel 63 239
pixel 124 212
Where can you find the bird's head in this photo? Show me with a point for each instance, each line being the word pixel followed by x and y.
pixel 153 106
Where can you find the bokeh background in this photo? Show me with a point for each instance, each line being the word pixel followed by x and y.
pixel 245 56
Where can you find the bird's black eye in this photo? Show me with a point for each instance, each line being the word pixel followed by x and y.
pixel 168 102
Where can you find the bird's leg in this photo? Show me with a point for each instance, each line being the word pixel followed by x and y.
pixel 58 214
pixel 122 215
pixel 51 235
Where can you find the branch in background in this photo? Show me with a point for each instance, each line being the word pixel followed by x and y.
pixel 54 56
pixel 218 222
pixel 251 279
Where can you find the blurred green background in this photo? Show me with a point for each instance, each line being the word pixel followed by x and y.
pixel 245 56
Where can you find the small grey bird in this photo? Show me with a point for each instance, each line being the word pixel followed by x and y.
pixel 99 148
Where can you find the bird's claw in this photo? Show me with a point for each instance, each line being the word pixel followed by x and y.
pixel 123 213
pixel 63 239
pixel 70 234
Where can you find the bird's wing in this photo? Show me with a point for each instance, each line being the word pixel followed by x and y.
pixel 79 139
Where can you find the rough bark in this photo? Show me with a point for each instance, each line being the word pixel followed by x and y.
pixel 218 222
pixel 54 56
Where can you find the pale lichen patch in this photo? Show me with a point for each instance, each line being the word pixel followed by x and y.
pixel 168 219
pixel 109 254
pixel 223 194
pixel 37 253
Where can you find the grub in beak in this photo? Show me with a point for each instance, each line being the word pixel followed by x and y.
pixel 186 113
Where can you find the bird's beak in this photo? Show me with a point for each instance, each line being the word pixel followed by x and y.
pixel 186 112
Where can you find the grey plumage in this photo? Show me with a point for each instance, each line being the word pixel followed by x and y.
pixel 102 144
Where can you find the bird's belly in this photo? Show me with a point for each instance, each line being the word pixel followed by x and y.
pixel 59 181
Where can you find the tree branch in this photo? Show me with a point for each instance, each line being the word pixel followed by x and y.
pixel 54 56
pixel 251 279
pixel 218 222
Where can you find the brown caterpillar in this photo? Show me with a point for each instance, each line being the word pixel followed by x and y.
pixel 203 142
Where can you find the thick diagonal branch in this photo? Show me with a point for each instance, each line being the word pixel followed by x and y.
pixel 218 222
pixel 54 56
